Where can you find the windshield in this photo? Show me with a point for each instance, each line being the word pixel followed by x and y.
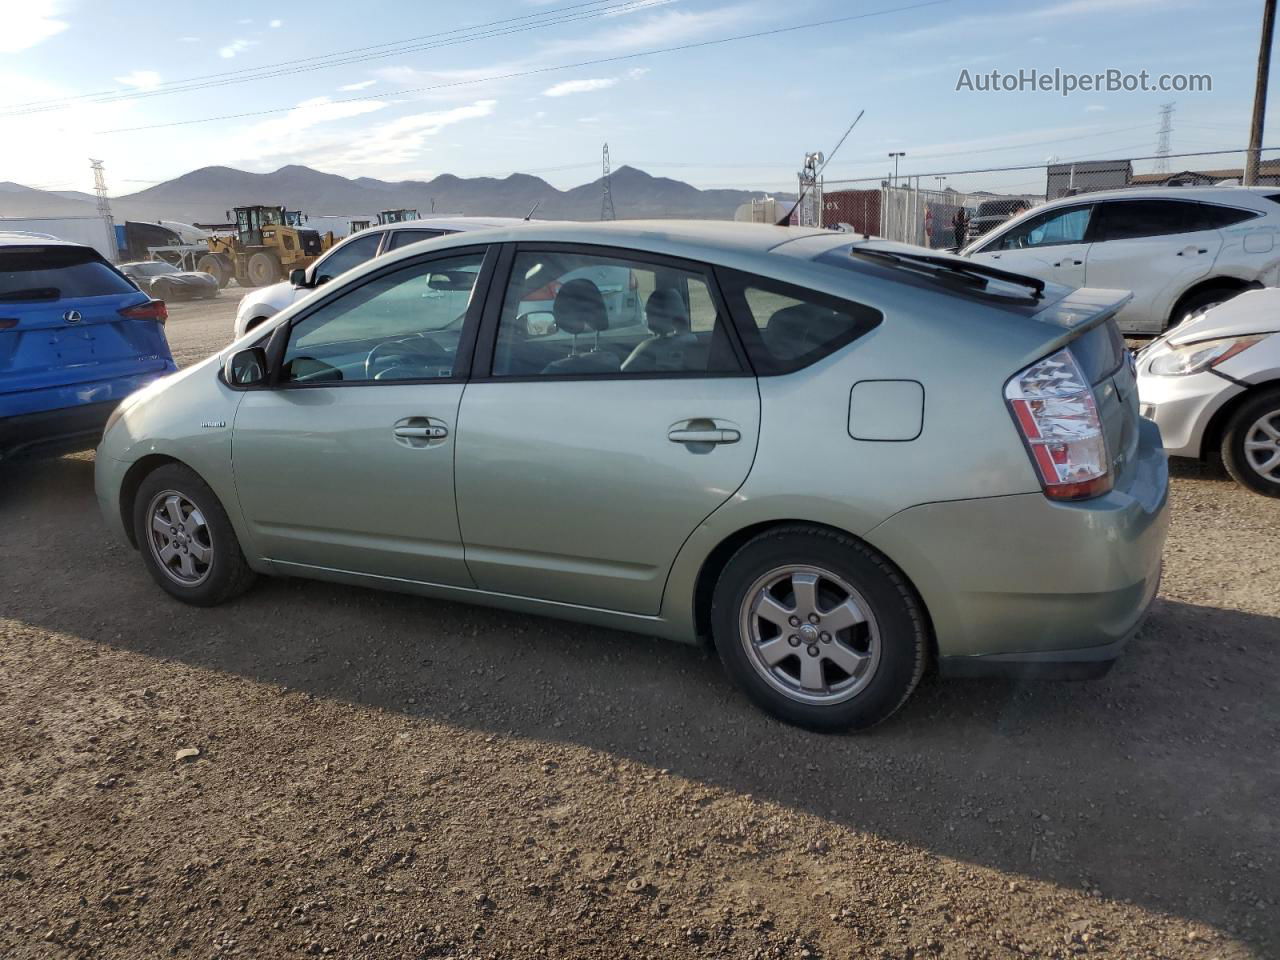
pixel 156 269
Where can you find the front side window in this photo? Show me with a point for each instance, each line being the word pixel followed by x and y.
pixel 1050 228
pixel 347 256
pixel 788 327
pixel 573 314
pixel 405 325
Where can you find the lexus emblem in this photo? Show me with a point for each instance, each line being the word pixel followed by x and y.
pixel 72 316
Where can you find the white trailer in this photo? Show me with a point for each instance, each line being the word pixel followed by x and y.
pixel 91 231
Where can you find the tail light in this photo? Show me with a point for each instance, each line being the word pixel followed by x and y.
pixel 151 310
pixel 1053 406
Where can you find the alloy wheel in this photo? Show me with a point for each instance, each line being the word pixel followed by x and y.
pixel 810 635
pixel 179 538
pixel 1262 446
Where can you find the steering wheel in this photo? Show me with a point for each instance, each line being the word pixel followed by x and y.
pixel 418 352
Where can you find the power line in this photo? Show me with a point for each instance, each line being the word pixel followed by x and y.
pixel 272 71
pixel 541 70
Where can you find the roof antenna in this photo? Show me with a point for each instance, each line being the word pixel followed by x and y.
pixel 533 210
pixel 784 221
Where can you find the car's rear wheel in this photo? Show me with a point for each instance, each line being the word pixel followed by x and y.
pixel 1198 303
pixel 819 629
pixel 1251 444
pixel 187 543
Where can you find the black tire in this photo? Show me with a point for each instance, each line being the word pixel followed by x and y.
pixel 1201 300
pixel 226 575
pixel 1235 456
pixel 896 611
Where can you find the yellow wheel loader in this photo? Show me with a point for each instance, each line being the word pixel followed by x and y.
pixel 267 244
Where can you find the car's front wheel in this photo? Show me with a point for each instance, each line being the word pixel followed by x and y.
pixel 818 628
pixel 1251 444
pixel 187 543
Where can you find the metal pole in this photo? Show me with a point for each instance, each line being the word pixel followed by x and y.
pixel 1254 156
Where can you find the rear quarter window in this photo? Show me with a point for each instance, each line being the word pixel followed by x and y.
pixel 57 273
pixel 786 328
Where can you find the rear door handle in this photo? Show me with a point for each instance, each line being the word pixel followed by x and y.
pixel 421 433
pixel 1062 262
pixel 1192 250
pixel 680 435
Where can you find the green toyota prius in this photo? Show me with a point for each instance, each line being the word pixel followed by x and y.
pixel 839 459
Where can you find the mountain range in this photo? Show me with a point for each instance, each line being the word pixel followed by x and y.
pixel 205 195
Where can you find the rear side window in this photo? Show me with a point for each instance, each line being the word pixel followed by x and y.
pixel 786 328
pixel 1130 219
pixel 402 238
pixel 1208 216
pixel 57 273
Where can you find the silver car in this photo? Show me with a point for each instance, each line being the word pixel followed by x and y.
pixel 841 460
pixel 1213 386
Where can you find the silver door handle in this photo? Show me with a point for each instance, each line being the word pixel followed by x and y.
pixel 421 433
pixel 704 436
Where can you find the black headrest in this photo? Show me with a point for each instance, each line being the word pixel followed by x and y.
pixel 579 307
pixel 664 311
pixel 794 331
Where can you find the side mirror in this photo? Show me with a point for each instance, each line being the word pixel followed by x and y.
pixel 540 323
pixel 246 368
pixel 298 277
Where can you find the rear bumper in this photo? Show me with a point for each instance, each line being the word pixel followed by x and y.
pixel 1033 586
pixel 52 433
pixel 62 419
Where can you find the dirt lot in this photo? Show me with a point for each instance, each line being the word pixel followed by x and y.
pixel 384 776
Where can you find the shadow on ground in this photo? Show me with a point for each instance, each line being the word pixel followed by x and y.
pixel 1156 785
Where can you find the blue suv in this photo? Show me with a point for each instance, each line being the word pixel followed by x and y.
pixel 76 338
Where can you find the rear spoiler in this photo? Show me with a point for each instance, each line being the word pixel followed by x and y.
pixel 1084 309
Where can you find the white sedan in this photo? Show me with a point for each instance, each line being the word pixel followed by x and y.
pixel 257 305
pixel 1212 385
pixel 1179 249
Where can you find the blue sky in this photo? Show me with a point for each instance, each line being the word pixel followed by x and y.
pixel 739 114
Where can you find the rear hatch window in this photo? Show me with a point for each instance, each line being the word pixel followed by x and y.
pixel 36 274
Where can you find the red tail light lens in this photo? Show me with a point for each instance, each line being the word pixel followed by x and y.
pixel 1053 406
pixel 151 310
pixel 546 292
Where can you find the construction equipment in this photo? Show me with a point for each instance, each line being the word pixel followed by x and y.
pixel 267 244
pixel 397 216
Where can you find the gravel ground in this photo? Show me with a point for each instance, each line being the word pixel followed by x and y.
pixel 388 777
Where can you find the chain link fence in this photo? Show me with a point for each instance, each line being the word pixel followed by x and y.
pixel 948 209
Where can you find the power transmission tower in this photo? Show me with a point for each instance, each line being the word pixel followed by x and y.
pixel 1162 140
pixel 606 200
pixel 104 205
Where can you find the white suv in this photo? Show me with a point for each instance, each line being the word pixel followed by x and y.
pixel 257 305
pixel 1179 249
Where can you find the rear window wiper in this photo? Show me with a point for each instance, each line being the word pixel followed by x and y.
pixel 977 273
pixel 32 293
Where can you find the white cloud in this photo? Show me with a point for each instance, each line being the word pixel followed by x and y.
pixel 276 24
pixel 661 30
pixel 579 86
pixel 140 79
pixel 245 22
pixel 236 46
pixel 362 85
pixel 29 23
pixel 188 39
pixel 635 73
pixel 402 140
